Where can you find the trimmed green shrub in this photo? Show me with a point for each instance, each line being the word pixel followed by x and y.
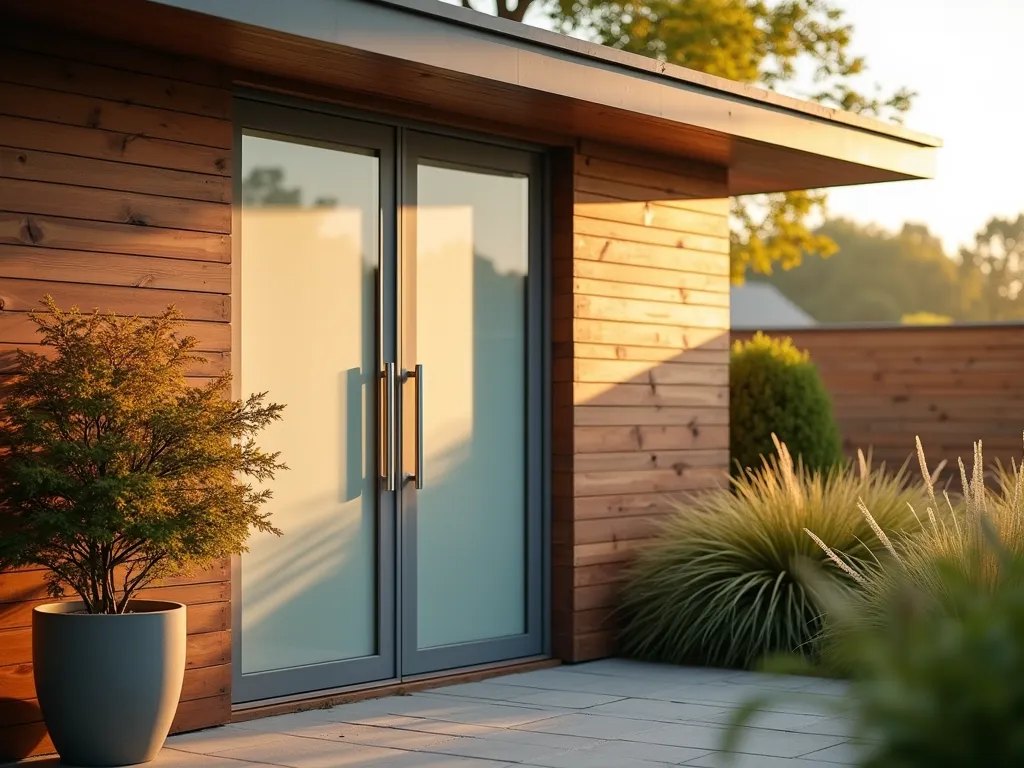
pixel 718 586
pixel 775 389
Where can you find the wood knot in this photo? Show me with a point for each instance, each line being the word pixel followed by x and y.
pixel 22 158
pixel 126 141
pixel 31 231
pixel 220 164
pixel 135 219
pixel 3 304
pixel 144 281
pixel 639 436
pixel 93 118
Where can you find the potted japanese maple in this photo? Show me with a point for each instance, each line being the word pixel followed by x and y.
pixel 115 472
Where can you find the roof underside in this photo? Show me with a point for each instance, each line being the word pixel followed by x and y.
pixel 452 60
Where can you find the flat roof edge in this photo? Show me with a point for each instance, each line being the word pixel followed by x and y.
pixel 717 86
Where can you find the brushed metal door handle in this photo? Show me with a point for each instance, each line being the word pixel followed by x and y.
pixel 417 374
pixel 389 426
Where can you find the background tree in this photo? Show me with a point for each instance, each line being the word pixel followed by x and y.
pixel 266 186
pixel 752 41
pixel 992 271
pixel 875 276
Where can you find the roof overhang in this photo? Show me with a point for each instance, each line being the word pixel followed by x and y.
pixel 454 60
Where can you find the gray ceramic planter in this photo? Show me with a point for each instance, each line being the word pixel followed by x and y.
pixel 108 686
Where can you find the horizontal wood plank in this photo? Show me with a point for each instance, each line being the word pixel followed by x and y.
pixel 90 112
pixel 646 335
pixel 202 713
pixel 673 296
pixel 671 480
pixel 36 263
pixel 16 644
pixel 598 416
pixel 686 283
pixel 632 461
pixel 104 205
pixel 18 328
pixel 39 166
pixel 639 234
pixel 600 439
pixel 103 237
pixel 591 247
pixel 653 214
pixel 19 614
pixel 24 296
pixel 208 649
pixel 117 146
pixel 650 312
pixel 592 189
pixel 651 374
pixel 585 351
pixel 30 583
pixel 661 395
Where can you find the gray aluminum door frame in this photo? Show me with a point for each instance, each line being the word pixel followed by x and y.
pixel 293 123
pixel 480 156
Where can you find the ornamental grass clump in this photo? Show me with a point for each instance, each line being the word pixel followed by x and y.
pixel 934 634
pixel 954 532
pixel 114 471
pixel 718 585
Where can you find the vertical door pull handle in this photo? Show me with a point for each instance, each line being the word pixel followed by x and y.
pixel 417 374
pixel 389 426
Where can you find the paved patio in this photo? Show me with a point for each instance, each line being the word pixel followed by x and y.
pixel 606 714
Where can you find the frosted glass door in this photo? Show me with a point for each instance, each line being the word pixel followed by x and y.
pixel 310 246
pixel 468 245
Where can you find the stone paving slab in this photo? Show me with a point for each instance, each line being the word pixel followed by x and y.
pixel 613 713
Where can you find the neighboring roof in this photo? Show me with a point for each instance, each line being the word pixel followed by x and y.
pixel 762 307
pixel 454 59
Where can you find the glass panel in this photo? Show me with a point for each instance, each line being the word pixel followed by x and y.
pixel 308 322
pixel 471 264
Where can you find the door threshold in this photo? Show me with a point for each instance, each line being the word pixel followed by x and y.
pixel 326 699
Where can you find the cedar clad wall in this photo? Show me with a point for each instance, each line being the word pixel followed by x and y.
pixel 114 193
pixel 640 348
pixel 949 385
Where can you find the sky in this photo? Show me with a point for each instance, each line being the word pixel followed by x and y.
pixel 964 61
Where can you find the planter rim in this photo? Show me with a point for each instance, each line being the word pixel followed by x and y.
pixel 143 607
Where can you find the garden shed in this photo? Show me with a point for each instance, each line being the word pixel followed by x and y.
pixel 485 266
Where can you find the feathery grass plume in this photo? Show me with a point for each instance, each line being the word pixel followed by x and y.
pixel 958 536
pixel 940 681
pixel 719 584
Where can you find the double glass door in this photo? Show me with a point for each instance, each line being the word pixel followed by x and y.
pixel 389 296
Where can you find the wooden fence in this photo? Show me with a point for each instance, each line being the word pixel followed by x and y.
pixel 949 385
